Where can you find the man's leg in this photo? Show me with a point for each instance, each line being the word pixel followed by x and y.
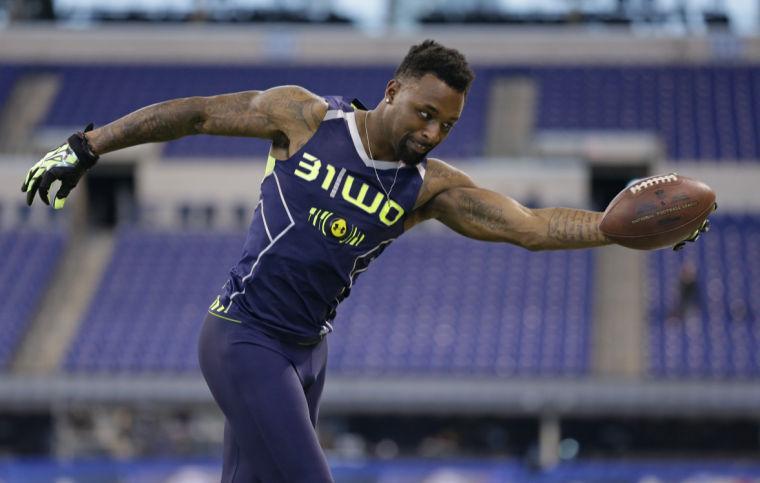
pixel 314 391
pixel 271 434
pixel 239 468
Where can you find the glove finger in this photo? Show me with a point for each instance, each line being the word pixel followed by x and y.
pixel 25 183
pixel 35 176
pixel 31 176
pixel 58 173
pixel 63 193
pixel 45 182
pixel 705 226
pixel 31 191
pixel 27 179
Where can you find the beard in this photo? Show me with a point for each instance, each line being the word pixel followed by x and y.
pixel 407 154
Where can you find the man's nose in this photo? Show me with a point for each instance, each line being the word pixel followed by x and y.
pixel 432 133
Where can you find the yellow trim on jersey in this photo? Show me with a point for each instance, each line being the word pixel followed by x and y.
pixel 225 318
pixel 216 303
pixel 271 160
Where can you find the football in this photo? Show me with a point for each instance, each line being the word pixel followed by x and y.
pixel 657 212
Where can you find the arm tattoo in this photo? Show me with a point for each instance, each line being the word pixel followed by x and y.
pixel 481 213
pixel 440 177
pixel 298 115
pixel 279 113
pixel 567 225
pixel 303 112
pixel 287 108
pixel 435 170
pixel 240 114
pixel 158 122
pixel 489 216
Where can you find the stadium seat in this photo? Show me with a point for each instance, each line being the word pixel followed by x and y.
pixel 435 304
pixel 700 112
pixel 719 337
pixel 29 260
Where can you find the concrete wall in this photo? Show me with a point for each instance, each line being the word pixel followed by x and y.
pixel 345 45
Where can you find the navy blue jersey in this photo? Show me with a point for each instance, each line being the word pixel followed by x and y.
pixel 322 217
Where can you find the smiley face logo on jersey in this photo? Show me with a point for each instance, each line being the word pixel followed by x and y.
pixel 338 228
pixel 332 226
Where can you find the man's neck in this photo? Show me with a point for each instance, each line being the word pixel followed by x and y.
pixel 374 138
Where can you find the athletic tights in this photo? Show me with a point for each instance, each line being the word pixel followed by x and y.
pixel 269 393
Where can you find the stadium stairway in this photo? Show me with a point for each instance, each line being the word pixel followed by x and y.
pixel 618 320
pixel 27 103
pixel 60 311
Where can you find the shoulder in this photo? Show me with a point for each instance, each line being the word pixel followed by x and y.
pixel 295 103
pixel 295 113
pixel 297 94
pixel 439 177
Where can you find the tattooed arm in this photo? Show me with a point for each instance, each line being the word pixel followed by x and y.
pixel 451 197
pixel 287 115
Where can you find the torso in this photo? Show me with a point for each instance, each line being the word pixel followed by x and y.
pixel 440 175
pixel 323 216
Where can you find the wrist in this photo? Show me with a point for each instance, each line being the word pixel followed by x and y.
pixel 91 141
pixel 79 143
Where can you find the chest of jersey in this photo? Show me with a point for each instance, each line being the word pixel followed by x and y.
pixel 342 197
pixel 350 189
pixel 323 216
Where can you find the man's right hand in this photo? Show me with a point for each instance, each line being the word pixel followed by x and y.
pixel 67 163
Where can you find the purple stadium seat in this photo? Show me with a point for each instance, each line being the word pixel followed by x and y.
pixel 719 337
pixel 700 112
pixel 435 304
pixel 117 90
pixel 29 259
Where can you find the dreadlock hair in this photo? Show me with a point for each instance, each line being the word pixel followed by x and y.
pixel 430 57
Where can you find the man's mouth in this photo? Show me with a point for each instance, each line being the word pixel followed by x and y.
pixel 420 148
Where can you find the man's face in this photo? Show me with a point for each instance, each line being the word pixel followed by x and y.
pixel 423 111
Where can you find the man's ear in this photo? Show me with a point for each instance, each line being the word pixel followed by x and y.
pixel 391 89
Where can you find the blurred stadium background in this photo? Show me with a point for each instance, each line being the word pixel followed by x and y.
pixel 454 360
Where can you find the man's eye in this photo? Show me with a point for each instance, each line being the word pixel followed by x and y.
pixel 424 115
pixel 447 126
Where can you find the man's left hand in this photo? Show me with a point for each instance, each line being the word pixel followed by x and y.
pixel 703 228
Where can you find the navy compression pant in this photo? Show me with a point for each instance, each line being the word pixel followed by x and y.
pixel 269 393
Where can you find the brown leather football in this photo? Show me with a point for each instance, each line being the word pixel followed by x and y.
pixel 657 212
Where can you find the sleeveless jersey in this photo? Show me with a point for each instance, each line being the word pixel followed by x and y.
pixel 322 217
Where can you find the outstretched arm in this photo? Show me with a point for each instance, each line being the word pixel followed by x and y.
pixel 484 215
pixel 287 115
pixel 456 201
pixel 287 112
